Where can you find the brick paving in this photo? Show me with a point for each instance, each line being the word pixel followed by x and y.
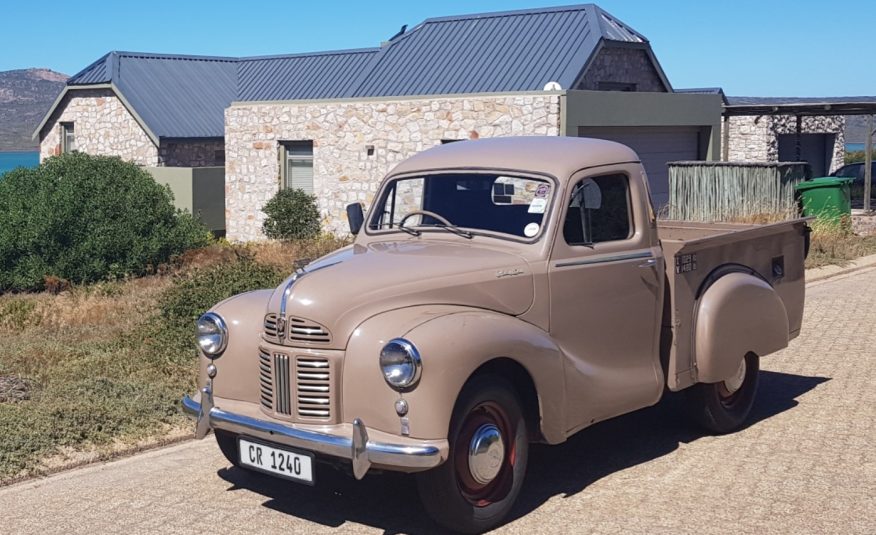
pixel 805 464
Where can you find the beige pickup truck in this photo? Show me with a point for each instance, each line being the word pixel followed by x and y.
pixel 499 292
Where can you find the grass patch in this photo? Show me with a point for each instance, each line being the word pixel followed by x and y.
pixel 103 365
pixel 836 245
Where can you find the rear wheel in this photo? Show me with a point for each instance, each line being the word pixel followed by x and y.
pixel 723 407
pixel 228 444
pixel 474 490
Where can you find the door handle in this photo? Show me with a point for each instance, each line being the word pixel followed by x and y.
pixel 651 262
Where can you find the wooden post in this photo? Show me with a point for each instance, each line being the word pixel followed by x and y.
pixel 868 164
pixel 725 142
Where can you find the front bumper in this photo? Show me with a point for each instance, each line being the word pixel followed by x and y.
pixel 346 441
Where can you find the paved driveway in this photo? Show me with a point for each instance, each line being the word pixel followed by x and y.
pixel 806 464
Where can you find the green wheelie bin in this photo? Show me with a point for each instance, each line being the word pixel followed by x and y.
pixel 828 198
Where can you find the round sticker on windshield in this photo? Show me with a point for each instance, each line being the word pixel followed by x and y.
pixel 530 230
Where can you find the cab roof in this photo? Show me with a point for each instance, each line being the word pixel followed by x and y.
pixel 558 156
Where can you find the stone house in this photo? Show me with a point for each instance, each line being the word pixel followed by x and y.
pixel 756 129
pixel 151 109
pixel 334 123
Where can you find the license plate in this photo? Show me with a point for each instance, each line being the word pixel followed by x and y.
pixel 276 461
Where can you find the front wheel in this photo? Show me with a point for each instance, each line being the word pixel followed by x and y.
pixel 723 407
pixel 474 490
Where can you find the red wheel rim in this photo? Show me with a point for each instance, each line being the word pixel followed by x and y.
pixel 480 494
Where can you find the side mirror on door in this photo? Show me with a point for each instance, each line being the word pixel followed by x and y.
pixel 355 217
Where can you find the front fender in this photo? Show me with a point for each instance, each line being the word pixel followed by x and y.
pixel 739 313
pixel 237 367
pixel 453 342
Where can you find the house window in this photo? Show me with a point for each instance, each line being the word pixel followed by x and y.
pixel 68 138
pixel 297 165
pixel 616 86
pixel 599 211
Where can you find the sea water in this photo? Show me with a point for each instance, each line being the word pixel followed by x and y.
pixel 11 160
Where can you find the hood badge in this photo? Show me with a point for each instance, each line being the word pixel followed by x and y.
pixel 281 327
pixel 508 273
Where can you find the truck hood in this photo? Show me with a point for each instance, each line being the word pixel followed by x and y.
pixel 341 290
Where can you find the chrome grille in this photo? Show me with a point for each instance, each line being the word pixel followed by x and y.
pixel 281 380
pixel 314 387
pixel 266 384
pixel 271 325
pixel 302 330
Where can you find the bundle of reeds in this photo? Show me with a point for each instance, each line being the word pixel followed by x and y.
pixel 734 191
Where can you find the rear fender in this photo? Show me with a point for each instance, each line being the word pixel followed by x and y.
pixel 737 314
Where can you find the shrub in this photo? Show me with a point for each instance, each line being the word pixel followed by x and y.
pixel 292 214
pixel 193 294
pixel 83 218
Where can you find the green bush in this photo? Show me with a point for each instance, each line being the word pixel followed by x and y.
pixel 192 295
pixel 292 215
pixel 83 218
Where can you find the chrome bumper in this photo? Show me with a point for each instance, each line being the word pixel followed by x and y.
pixel 357 448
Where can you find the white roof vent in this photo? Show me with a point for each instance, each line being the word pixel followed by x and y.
pixel 553 86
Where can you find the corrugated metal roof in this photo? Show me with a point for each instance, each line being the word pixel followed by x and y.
pixel 302 76
pixel 96 73
pixel 494 52
pixel 778 101
pixel 180 96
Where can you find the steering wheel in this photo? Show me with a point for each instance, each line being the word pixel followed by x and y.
pixel 433 215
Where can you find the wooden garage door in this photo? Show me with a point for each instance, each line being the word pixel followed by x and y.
pixel 656 145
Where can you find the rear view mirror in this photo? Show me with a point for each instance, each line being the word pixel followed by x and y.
pixel 355 217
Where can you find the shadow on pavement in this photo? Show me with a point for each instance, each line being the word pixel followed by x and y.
pixel 390 502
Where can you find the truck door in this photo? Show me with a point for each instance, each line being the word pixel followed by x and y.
pixel 606 286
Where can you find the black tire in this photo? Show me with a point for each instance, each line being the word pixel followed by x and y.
pixel 450 493
pixel 719 410
pixel 228 444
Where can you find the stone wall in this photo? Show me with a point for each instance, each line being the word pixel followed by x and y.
pixel 102 127
pixel 342 132
pixel 192 153
pixel 622 65
pixel 755 138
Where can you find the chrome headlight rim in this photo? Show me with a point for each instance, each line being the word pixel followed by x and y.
pixel 412 354
pixel 222 327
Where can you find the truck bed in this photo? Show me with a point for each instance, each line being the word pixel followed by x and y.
pixel 693 251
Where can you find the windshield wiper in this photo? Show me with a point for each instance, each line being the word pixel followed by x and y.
pixel 458 231
pixel 410 231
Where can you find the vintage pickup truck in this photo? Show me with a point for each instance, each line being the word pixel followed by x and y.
pixel 498 292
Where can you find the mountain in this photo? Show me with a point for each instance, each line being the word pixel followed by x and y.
pixel 25 95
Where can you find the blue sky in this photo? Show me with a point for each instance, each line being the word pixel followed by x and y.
pixel 760 48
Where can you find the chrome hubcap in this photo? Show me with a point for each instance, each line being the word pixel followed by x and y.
pixel 486 453
pixel 734 383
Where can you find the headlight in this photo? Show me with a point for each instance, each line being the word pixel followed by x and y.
pixel 400 363
pixel 212 334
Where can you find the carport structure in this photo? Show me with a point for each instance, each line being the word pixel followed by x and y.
pixel 800 108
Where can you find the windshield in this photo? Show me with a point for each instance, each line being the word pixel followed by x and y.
pixel 472 201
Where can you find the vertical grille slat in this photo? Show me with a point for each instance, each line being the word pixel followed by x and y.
pixel 283 390
pixel 313 379
pixel 265 380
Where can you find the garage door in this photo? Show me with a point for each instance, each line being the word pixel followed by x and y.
pixel 656 145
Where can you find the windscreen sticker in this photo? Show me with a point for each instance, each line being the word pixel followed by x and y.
pixel 531 230
pixel 537 205
pixel 542 191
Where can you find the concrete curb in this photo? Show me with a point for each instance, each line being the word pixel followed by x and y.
pixel 826 272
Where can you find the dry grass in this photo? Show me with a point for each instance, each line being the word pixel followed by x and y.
pixel 836 245
pixel 98 369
